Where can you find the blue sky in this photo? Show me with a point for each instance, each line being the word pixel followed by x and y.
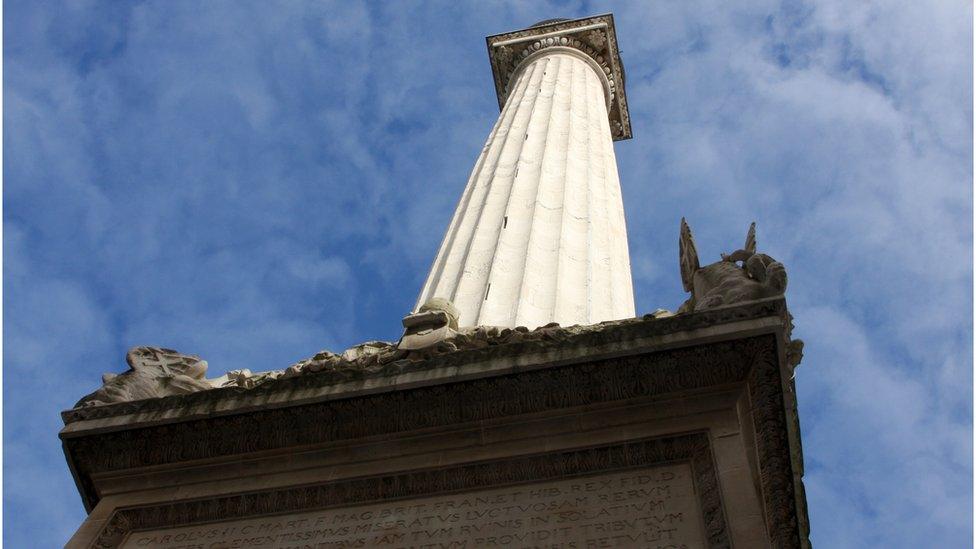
pixel 256 181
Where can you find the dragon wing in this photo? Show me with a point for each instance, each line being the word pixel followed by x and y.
pixel 751 239
pixel 687 256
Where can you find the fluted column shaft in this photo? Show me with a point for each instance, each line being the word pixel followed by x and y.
pixel 539 233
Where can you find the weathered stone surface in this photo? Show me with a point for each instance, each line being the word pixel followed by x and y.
pixel 153 372
pixel 435 321
pixel 726 282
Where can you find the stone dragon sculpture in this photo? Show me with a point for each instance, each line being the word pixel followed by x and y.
pixel 741 276
pixel 153 372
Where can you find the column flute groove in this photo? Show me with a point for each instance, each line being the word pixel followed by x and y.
pixel 497 231
pixel 571 282
pixel 540 178
pixel 469 306
pixel 440 274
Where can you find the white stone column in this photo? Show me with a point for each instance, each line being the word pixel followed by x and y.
pixel 539 234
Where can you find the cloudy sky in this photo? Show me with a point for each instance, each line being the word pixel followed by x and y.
pixel 256 181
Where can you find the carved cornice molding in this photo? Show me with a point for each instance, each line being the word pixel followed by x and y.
pixel 595 37
pixel 423 407
pixel 753 361
pixel 463 350
pixel 693 448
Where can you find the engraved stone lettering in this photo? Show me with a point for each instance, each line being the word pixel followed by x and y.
pixel 655 508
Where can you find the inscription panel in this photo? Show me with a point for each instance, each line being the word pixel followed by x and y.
pixel 652 507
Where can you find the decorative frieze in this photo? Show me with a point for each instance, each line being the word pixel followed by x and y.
pixel 479 344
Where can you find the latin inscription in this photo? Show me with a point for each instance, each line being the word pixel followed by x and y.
pixel 654 508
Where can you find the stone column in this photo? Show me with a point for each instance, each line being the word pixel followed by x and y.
pixel 539 234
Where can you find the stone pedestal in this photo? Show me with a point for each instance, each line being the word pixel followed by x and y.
pixel 668 432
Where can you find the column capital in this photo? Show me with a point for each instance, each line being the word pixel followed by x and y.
pixel 593 36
